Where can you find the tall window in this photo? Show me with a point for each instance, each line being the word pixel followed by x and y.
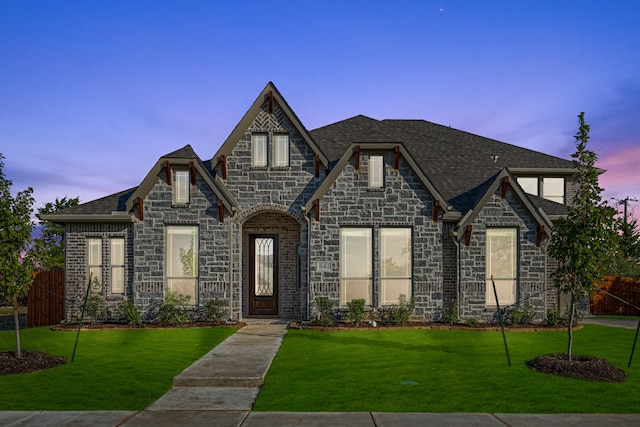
pixel 395 269
pixel 259 149
pixel 280 150
pixel 553 189
pixel 376 172
pixel 116 250
pixel 355 264
pixel 182 260
pixel 529 184
pixel 94 263
pixel 180 187
pixel 501 263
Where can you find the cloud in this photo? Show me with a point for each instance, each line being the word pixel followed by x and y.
pixel 622 178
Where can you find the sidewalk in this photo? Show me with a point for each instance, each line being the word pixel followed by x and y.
pixel 220 388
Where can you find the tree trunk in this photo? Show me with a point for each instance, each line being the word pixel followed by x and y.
pixel 572 309
pixel 16 320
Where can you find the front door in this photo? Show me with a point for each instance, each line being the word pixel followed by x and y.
pixel 263 274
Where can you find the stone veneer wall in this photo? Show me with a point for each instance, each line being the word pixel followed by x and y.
pixel 76 270
pixel 531 259
pixel 403 202
pixel 149 252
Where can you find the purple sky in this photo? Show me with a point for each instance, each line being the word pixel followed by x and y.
pixel 92 93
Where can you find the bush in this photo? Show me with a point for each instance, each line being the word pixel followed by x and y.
pixel 129 313
pixel 96 308
pixel 553 316
pixel 398 314
pixel 174 309
pixel 216 309
pixel 450 312
pixel 522 315
pixel 472 322
pixel 355 312
pixel 325 310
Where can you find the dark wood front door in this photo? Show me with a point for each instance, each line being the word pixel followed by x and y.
pixel 263 274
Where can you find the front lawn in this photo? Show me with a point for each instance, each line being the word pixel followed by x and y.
pixel 113 369
pixel 444 371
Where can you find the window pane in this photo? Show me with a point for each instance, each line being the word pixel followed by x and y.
pixel 376 172
pixel 553 189
pixel 281 150
pixel 529 185
pixel 258 149
pixel 94 251
pixel 395 248
pixel 185 287
pixel 182 251
pixel 355 264
pixel 96 279
pixel 393 289
pixel 181 187
pixel 117 280
pixel 117 251
pixel 501 263
pixel 264 277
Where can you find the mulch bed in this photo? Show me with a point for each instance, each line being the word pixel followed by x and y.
pixel 31 361
pixel 581 367
pixel 487 327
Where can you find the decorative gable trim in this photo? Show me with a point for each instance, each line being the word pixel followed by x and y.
pixel 270 95
pixel 195 166
pixel 354 151
pixel 504 180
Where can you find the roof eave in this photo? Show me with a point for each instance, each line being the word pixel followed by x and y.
pixel 114 217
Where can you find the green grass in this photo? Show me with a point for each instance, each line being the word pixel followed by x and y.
pixel 119 369
pixel 455 371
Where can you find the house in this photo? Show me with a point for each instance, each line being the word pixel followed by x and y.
pixel 362 208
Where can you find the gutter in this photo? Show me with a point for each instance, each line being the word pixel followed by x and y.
pixel 113 217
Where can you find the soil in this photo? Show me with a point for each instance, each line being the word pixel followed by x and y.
pixel 31 361
pixel 588 368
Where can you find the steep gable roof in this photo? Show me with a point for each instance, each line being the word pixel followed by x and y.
pixel 251 115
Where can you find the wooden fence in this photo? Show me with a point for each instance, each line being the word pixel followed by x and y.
pixel 45 301
pixel 622 287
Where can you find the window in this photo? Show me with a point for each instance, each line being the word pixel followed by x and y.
pixel 355 264
pixel 280 150
pixel 116 264
pixel 553 189
pixel 376 172
pixel 501 263
pixel 529 185
pixel 259 149
pixel 180 187
pixel 94 263
pixel 395 269
pixel 182 260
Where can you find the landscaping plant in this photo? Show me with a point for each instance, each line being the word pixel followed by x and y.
pixel 355 310
pixel 324 306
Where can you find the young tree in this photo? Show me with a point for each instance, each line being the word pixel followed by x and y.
pixel 583 242
pixel 48 250
pixel 16 270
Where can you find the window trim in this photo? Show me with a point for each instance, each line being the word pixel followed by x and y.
pixel 376 182
pixel 98 280
pixel 489 295
pixel 368 256
pixel 408 278
pixel 264 150
pixel 195 233
pixel 113 265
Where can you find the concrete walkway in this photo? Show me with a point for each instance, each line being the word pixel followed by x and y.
pixel 220 388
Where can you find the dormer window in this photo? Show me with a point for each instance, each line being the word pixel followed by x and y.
pixel 180 187
pixel 280 150
pixel 553 189
pixel 376 172
pixel 259 149
pixel 529 184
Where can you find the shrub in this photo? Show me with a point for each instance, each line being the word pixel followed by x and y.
pixel 174 309
pixel 355 312
pixel 129 313
pixel 398 314
pixel 325 310
pixel 472 322
pixel 96 308
pixel 450 311
pixel 216 309
pixel 522 315
pixel 553 316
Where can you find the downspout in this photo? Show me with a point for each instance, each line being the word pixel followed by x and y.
pixel 231 221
